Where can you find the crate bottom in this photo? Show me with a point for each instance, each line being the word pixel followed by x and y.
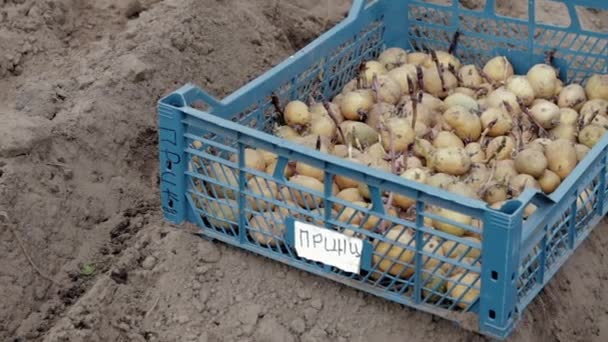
pixel 465 320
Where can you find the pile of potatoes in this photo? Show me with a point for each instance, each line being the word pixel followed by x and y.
pixel 484 133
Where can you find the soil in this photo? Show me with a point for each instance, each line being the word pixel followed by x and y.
pixel 79 81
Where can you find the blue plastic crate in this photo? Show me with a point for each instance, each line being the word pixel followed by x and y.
pixel 204 178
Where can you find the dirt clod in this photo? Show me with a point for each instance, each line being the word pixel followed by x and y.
pixel 272 331
pixel 119 276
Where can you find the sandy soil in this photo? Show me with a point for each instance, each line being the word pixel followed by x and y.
pixel 79 80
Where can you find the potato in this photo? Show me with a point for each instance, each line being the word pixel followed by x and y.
pixel 521 87
pixel 268 157
pixel 309 141
pixel 371 221
pixel 572 96
pixel 461 270
pixel 564 131
pixel 597 87
pixel 505 99
pixel 441 180
pixel 431 102
pixel 461 100
pixel 350 215
pixel 497 121
pixel 529 210
pixel 379 112
pixel 284 211
pixel 546 114
pixel 466 124
pixel 591 135
pixel 310 171
pixel 350 195
pixel 600 120
pixel 451 160
pixel 451 215
pixel 558 87
pixel 418 58
pixel 466 91
pixel 398 261
pixel 228 179
pixel 477 177
pixel 447 139
pixel 267 229
pixel 412 163
pixel 392 58
pixel 424 114
pixel 342 151
pixel 352 85
pixel 434 85
pixel 454 250
pixel 498 69
pixel 398 134
pixel 568 116
pixel 374 152
pixel 544 81
pixel 521 182
pixel 318 109
pixel 285 132
pixel 581 151
pixel 549 181
pixel 475 152
pixel 372 69
pixel 433 247
pixel 445 59
pixel 463 189
pixel 505 170
pixel 296 114
pixel 531 162
pixel 422 148
pixel 561 157
pixel 500 148
pixel 345 182
pixel 593 108
pixel 469 76
pixel 356 104
pixel 417 175
pixel 364 191
pixel 253 160
pixel 358 131
pixel 225 213
pixel 401 74
pixel 304 198
pixel 465 290
pixel 387 90
pixel 496 192
pixel 265 189
pixel 324 126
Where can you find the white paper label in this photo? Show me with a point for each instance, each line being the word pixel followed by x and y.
pixel 327 246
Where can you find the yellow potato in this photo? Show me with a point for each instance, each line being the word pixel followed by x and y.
pixel 466 289
pixel 267 229
pixel 398 261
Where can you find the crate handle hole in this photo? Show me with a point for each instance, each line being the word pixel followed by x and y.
pixel 492 314
pixel 169 165
pixel 494 275
pixel 512 276
pixel 170 203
